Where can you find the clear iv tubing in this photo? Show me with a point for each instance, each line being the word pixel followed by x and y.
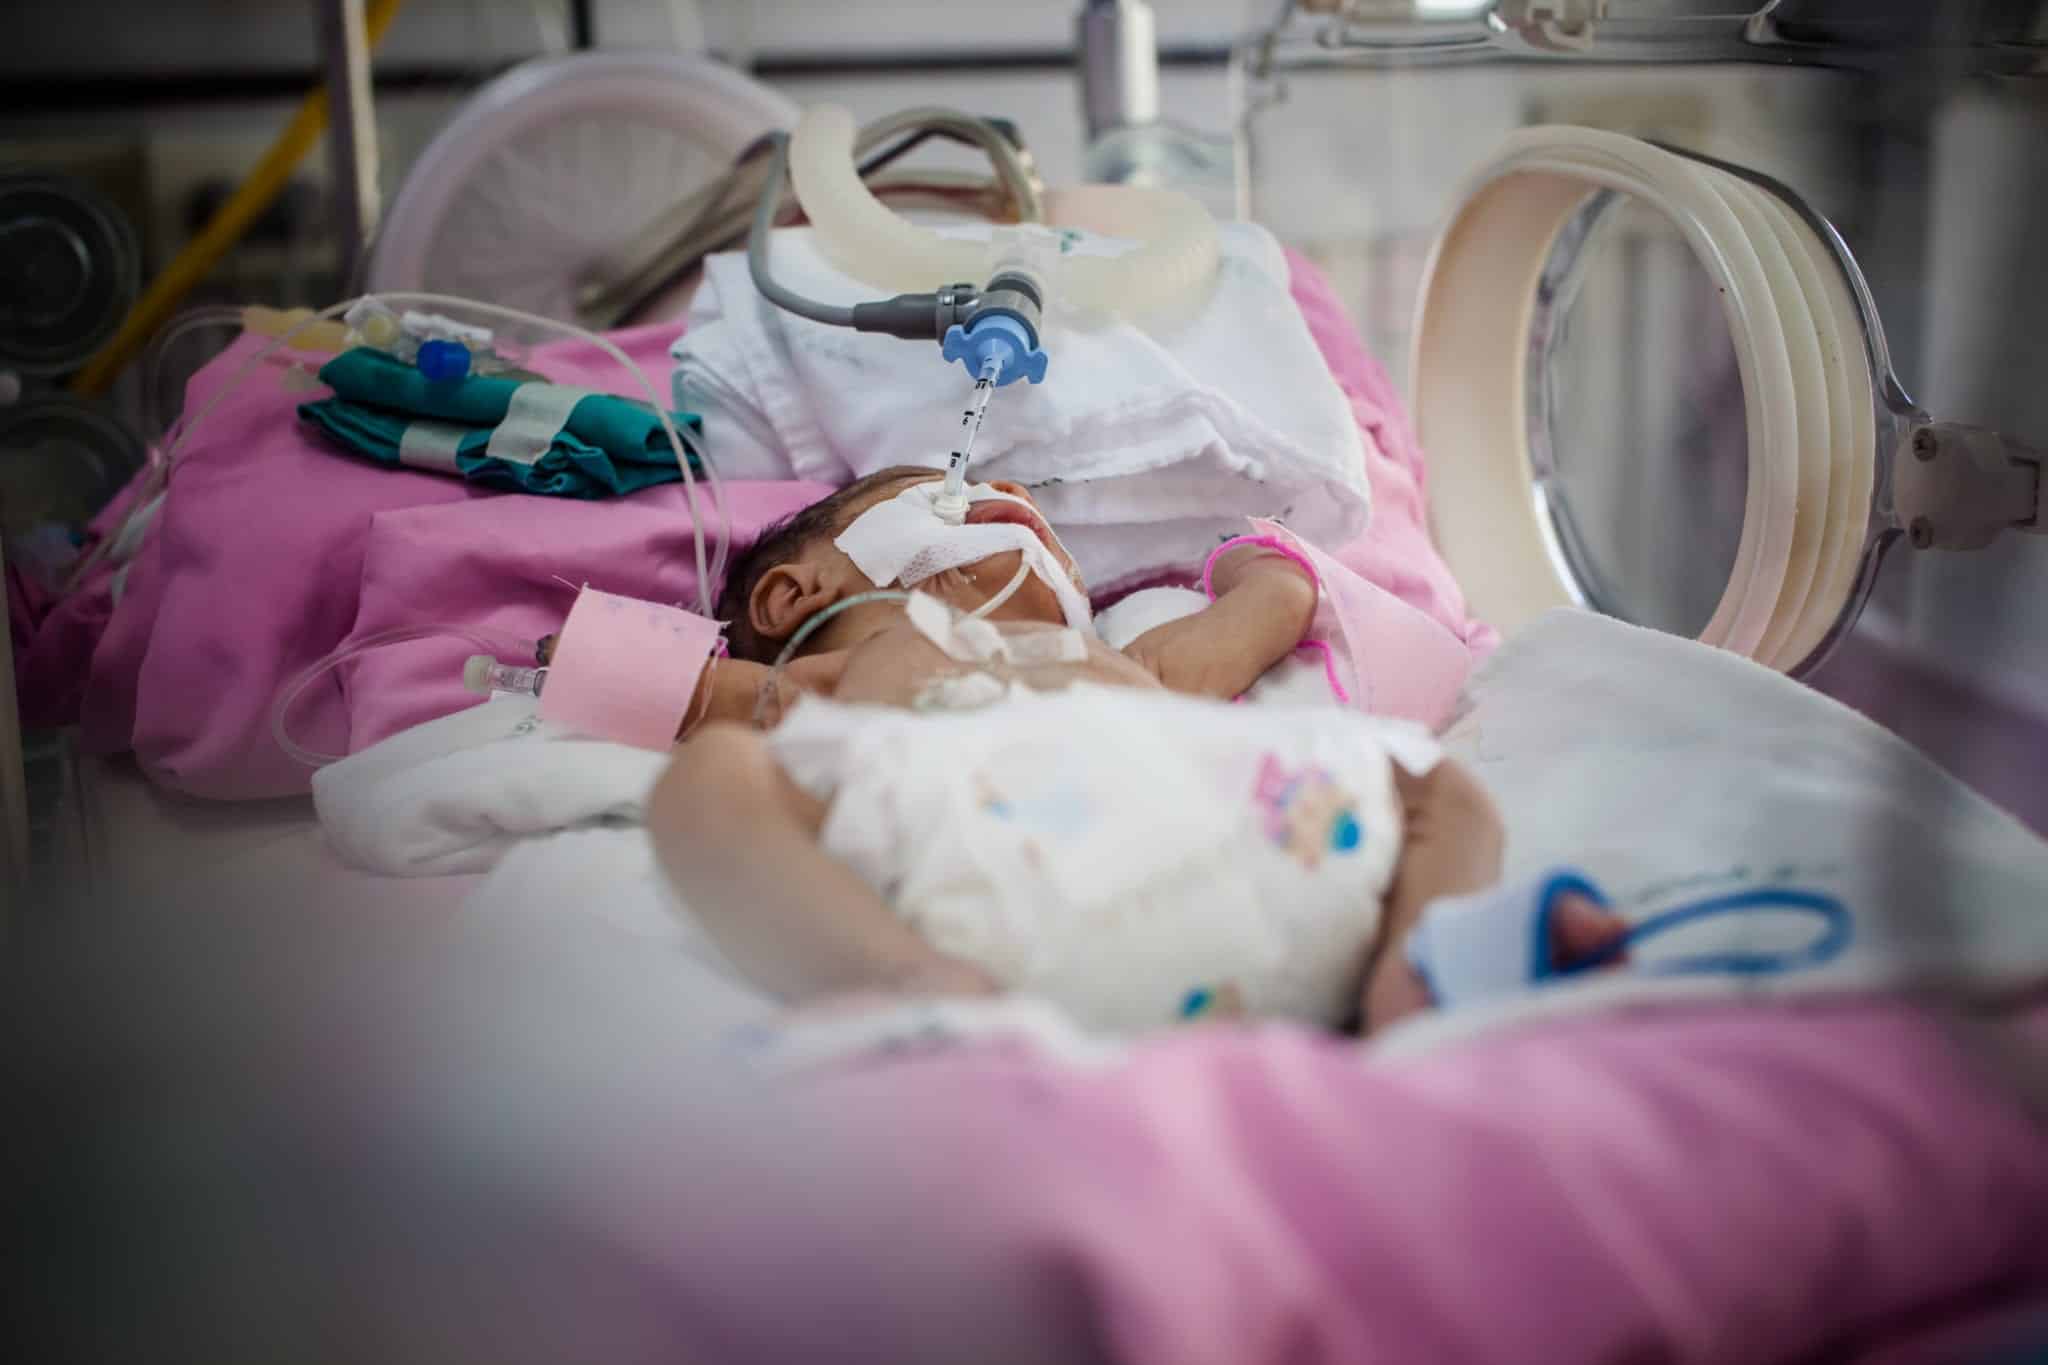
pixel 155 426
pixel 708 574
pixel 296 688
pixel 1009 590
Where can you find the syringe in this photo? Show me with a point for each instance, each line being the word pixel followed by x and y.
pixel 951 502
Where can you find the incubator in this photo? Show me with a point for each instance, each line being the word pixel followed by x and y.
pixel 1647 369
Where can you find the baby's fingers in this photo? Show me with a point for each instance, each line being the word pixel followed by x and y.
pixel 1582 929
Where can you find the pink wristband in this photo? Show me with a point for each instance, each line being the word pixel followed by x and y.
pixel 626 670
pixel 1273 543
pixel 1282 548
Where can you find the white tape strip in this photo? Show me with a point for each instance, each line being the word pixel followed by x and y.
pixel 432 445
pixel 534 417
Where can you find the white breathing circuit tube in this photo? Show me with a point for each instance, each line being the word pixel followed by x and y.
pixel 709 571
pixel 1173 264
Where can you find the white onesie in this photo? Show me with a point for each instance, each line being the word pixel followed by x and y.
pixel 1127 854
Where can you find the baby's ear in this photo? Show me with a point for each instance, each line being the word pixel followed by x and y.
pixel 789 595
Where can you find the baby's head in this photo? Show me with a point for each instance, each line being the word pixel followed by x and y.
pixel 793 570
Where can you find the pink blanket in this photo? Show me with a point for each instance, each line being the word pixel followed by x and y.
pixel 1746 1183
pixel 272 551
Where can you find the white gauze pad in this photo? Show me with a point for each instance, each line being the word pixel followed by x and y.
pixel 902 541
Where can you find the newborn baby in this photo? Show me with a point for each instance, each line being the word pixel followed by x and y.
pixel 970 803
pixel 797 569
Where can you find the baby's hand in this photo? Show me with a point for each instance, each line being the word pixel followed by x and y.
pixel 1579 929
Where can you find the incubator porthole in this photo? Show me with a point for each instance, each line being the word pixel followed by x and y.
pixel 1637 435
pixel 1618 346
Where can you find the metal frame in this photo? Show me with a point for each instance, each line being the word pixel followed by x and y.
pixel 352 158
pixel 13 786
pixel 1339 33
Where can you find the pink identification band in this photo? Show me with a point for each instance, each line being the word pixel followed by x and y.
pixel 1286 551
pixel 626 670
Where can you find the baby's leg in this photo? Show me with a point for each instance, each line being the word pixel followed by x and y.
pixel 740 841
pixel 1451 846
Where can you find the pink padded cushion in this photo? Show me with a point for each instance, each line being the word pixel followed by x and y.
pixel 513 572
pixel 271 551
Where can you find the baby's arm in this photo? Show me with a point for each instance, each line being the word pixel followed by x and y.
pixel 730 689
pixel 1264 605
pixel 740 841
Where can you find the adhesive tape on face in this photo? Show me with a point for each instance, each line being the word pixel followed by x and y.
pixel 901 541
pixel 1808 394
pixel 961 638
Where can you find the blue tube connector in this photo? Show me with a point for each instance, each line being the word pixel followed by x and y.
pixel 442 361
pixel 1002 336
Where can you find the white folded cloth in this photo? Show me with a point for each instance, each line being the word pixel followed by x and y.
pixel 1675 776
pixel 1143 447
pixel 553 819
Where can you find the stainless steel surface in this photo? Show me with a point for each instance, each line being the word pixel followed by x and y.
pixel 1118 47
pixel 1986 37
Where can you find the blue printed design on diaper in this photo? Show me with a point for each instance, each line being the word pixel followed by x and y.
pixel 1306 812
pixel 1062 812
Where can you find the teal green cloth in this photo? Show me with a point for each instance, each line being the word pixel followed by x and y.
pixel 607 447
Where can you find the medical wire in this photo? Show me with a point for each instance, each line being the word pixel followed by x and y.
pixel 831 315
pixel 772 686
pixel 289 696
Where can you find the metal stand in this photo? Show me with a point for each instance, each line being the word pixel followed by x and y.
pixel 351 133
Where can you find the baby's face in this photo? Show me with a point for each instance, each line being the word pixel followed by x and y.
pixel 969 586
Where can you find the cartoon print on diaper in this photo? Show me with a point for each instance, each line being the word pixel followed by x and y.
pixel 1306 812
pixel 1059 814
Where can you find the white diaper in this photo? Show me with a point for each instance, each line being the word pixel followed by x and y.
pixel 1128 855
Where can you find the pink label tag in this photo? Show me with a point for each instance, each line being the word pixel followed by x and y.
pixel 625 669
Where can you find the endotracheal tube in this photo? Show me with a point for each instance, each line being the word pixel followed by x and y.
pixel 951 503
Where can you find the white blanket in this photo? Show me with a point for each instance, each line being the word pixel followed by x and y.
pixel 1142 447
pixel 554 821
pixel 1671 773
pixel 1659 766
